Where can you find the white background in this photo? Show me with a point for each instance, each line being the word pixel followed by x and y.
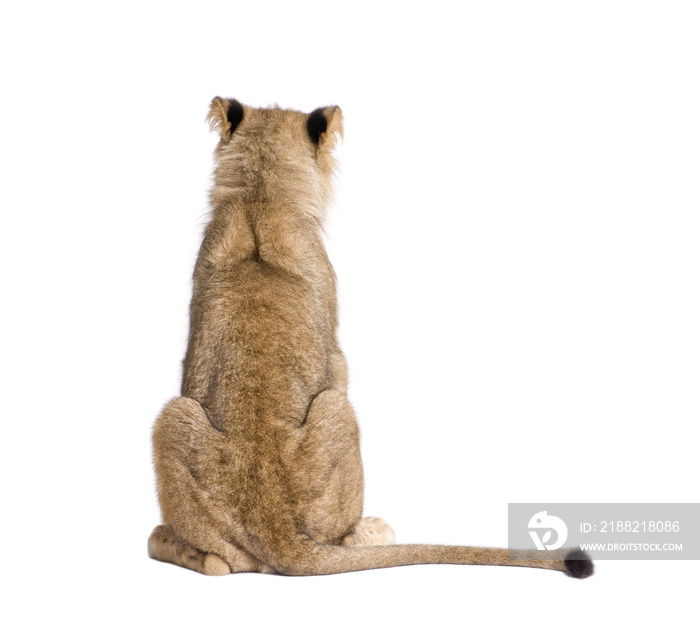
pixel 516 240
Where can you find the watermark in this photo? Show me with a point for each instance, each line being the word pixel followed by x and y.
pixel 549 523
pixel 646 531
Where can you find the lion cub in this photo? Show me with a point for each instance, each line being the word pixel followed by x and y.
pixel 258 462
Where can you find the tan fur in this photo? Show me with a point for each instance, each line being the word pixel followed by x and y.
pixel 258 462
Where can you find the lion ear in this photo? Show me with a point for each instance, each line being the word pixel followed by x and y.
pixel 324 125
pixel 224 116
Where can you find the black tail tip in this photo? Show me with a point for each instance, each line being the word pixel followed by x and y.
pixel 578 564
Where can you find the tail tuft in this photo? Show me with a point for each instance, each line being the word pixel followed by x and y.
pixel 578 564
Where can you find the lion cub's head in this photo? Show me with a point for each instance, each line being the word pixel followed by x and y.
pixel 272 155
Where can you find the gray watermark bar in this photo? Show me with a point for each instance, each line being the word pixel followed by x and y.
pixel 614 531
